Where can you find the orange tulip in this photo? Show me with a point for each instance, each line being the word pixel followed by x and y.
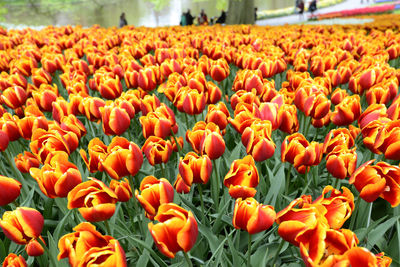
pixel 92 106
pixel 14 97
pixel 97 153
pixel 4 140
pixel 341 162
pixel 251 216
pixel 9 190
pixel 58 177
pixel 218 114
pixel 317 106
pixel 159 122
pixel 149 77
pixel 338 95
pixel 40 76
pixel 115 120
pixel 110 88
pixel 154 193
pixel 149 103
pixel 388 140
pixel 13 260
pixel 122 189
pixel 123 158
pixel 219 70
pixel 380 180
pixel 9 126
pixel 347 111
pixel 177 229
pixel 242 178
pixel 87 246
pixel 180 186
pixel 257 140
pixel 194 136
pixel 26 161
pixel 371 113
pixel 287 116
pixel 195 169
pixel 157 150
pixel 338 138
pixel 22 226
pixel 212 144
pixel 247 80
pixel 94 200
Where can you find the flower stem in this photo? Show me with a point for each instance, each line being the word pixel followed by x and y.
pixel 354 215
pixel 249 251
pixel 53 262
pixel 188 261
pixel 199 186
pixel 107 227
pixel 277 252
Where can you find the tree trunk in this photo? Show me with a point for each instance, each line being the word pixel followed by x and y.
pixel 240 12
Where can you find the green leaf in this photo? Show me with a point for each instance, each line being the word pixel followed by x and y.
pixel 149 249
pixel 379 231
pixel 277 184
pixel 61 226
pixel 210 236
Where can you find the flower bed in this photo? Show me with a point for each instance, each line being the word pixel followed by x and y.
pixel 212 145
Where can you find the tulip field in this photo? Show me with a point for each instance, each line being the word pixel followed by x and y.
pixel 201 145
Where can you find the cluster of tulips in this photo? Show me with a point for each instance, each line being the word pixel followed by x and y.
pixel 105 132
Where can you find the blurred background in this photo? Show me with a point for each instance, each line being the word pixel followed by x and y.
pixel 22 13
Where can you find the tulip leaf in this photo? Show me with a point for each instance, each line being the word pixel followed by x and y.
pixel 210 236
pixel 277 182
pixel 61 226
pixel 379 231
pixel 3 252
pixel 149 249
pixel 28 199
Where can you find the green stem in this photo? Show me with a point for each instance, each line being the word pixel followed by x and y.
pixel 53 262
pixel 336 183
pixel 354 215
pixel 188 261
pixel 187 121
pixel 162 170
pixel 277 252
pixel 199 186
pixel 287 180
pixel 249 251
pixel 215 184
pixel 176 142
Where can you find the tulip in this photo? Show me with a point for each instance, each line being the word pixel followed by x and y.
pixel 4 140
pixel 94 200
pixel 370 133
pixel 40 76
pixel 177 229
pixel 110 88
pixel 157 150
pixel 159 122
pixel 122 189
pixel 149 103
pixel 317 106
pixel 195 169
pixel 251 216
pixel 123 158
pixel 194 136
pixel 180 186
pixel 149 78
pixel 388 140
pixel 372 113
pixel 243 96
pixel 341 162
pixel 86 247
pixel 347 111
pixel 338 95
pixel 14 97
pixel 58 177
pixel 218 114
pixel 97 153
pixel 9 190
pixel 242 178
pixel 380 180
pixel 247 80
pixel 338 138
pixel 22 226
pixel 13 260
pixel 28 124
pixel 115 120
pixel 45 96
pixel 9 126
pixel 92 106
pixel 212 144
pixel 73 124
pixel 154 193
pixel 287 116
pixel 219 70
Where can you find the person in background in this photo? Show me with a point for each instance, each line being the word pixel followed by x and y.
pixel 300 6
pixel 122 20
pixel 183 19
pixel 189 18
pixel 255 13
pixel 222 18
pixel 312 7
pixel 203 20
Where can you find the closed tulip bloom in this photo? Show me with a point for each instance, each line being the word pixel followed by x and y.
pixel 92 106
pixel 13 260
pixel 180 186
pixel 338 95
pixel 257 140
pixel 149 103
pixel 115 120
pixel 190 101
pixel 73 124
pixel 341 162
pixel 248 80
pixel 97 153
pixel 153 193
pixel 219 70
pixel 157 150
pixel 40 76
pixel 45 97
pixel 269 112
pixel 195 169
pixel 378 94
pixel 177 229
pixel 22 225
pixel 381 180
pixel 212 144
pixel 287 116
pixel 159 122
pixel 243 96
pixel 149 77
pixel 57 177
pixel 123 158
pixel 110 88
pixel 317 106
pixel 9 126
pixel 94 200
pixel 122 189
pixel 251 216
pixel 242 178
pixel 85 245
pixel 28 124
pixel 194 136
pixel 218 114
pixel 34 248
pixel 347 111
pixel 14 97
pixel 9 190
